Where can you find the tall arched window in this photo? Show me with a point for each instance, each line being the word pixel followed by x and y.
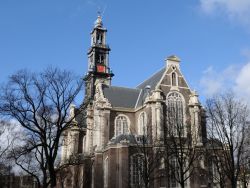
pixel 142 124
pixel 137 170
pixel 175 114
pixel 121 125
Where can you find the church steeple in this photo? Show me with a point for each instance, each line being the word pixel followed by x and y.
pixel 98 54
pixel 98 58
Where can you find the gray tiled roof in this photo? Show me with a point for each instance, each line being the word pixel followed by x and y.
pixel 152 82
pixel 121 96
pixel 130 97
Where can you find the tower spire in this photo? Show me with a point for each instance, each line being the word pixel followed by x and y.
pixel 98 22
pixel 98 58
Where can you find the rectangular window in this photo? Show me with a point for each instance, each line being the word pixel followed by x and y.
pixel 105 174
pixel 137 171
pixel 215 172
pixel 175 174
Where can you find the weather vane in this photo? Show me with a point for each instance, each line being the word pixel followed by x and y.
pixel 101 11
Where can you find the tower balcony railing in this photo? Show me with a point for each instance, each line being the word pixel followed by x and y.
pixel 103 46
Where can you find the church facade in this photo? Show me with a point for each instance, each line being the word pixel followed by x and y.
pixel 153 135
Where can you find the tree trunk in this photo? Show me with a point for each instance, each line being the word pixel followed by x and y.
pixel 52 174
pixel 233 183
pixel 182 184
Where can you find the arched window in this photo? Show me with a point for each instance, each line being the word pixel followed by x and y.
pixel 99 38
pixel 137 170
pixel 100 59
pixel 162 163
pixel 174 79
pixel 121 125
pixel 142 124
pixel 175 114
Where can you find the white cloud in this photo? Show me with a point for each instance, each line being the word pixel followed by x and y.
pixel 214 81
pixel 238 10
pixel 234 77
pixel 208 82
pixel 243 81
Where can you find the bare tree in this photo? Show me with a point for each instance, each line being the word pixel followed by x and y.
pixel 214 152
pixel 227 122
pixel 244 176
pixel 147 158
pixel 5 140
pixel 182 154
pixel 40 103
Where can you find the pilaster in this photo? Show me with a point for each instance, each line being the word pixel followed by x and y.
pixel 194 109
pixel 155 101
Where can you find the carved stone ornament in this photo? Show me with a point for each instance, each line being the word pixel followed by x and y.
pixel 100 100
pixel 194 100
pixel 155 96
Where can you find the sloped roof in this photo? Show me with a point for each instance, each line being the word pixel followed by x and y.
pixel 152 82
pixel 121 96
pixel 131 97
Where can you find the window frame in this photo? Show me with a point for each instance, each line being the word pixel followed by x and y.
pixel 122 125
pixel 135 176
pixel 174 79
pixel 176 101
pixel 142 126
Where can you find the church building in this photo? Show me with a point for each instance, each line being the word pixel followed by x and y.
pixel 121 137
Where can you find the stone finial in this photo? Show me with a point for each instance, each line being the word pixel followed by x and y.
pixel 72 111
pixel 173 60
pixel 194 98
pixel 98 22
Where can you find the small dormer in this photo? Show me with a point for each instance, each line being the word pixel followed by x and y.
pixel 173 66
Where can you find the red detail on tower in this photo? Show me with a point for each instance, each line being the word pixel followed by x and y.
pixel 101 68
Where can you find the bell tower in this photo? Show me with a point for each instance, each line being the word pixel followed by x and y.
pixel 98 60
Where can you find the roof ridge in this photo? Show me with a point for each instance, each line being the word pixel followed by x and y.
pixel 138 98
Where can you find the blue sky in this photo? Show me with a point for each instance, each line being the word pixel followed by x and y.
pixel 212 38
